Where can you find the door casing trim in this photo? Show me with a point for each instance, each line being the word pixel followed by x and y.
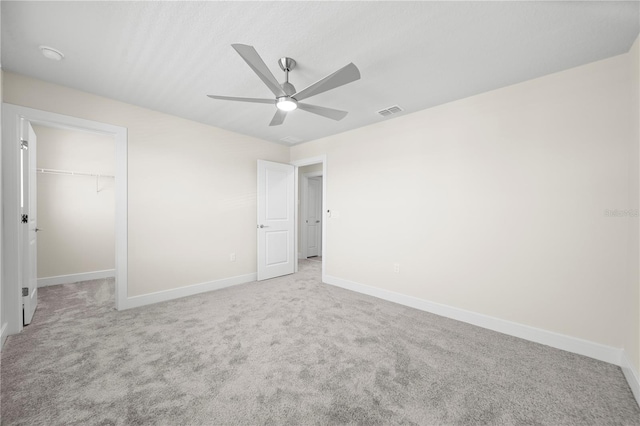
pixel 11 258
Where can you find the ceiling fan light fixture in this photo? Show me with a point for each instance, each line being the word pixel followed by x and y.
pixel 286 103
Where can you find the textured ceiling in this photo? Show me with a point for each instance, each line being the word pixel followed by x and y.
pixel 167 56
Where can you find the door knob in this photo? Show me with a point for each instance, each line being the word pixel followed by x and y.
pixel 37 229
pixel 317 221
pixel 262 226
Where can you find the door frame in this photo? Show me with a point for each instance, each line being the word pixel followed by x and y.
pixel 307 162
pixel 304 198
pixel 29 230
pixel 11 258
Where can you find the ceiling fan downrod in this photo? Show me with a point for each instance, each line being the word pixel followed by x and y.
pixel 286 65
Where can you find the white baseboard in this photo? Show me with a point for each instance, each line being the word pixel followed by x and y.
pixel 631 374
pixel 190 290
pixel 74 278
pixel 556 340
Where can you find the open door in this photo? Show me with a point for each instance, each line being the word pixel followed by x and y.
pixel 276 222
pixel 28 200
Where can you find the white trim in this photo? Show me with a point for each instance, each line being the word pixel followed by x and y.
pixel 11 115
pixel 74 278
pixel 190 290
pixel 556 340
pixel 325 202
pixel 3 335
pixel 309 161
pixel 631 374
pixel 3 325
pixel 296 217
pixel 11 296
pixel 302 214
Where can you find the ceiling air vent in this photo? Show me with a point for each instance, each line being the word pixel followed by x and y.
pixel 291 139
pixel 390 111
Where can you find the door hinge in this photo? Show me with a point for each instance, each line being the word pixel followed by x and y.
pixel 25 291
pixel 24 144
pixel 25 218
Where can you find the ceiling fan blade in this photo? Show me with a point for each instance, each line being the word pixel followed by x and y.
pixel 339 78
pixel 334 114
pixel 254 100
pixel 278 119
pixel 256 63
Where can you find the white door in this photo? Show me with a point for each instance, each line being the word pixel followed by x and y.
pixel 275 220
pixel 29 238
pixel 314 217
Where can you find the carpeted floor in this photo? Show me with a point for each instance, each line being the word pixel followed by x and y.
pixel 289 351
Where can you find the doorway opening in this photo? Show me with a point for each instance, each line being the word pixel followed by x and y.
pixel 310 218
pixel 75 173
pixel 311 178
pixel 15 122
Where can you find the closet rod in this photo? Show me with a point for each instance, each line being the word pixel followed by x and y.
pixel 70 173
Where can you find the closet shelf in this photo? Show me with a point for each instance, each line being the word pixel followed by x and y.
pixel 71 173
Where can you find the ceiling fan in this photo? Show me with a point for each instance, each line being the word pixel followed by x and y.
pixel 286 97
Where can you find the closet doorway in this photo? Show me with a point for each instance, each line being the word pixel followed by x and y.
pixel 14 118
pixel 76 205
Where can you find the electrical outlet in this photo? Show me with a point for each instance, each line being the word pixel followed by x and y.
pixel 232 257
pixel 396 267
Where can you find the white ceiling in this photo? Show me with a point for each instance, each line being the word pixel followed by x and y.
pixel 167 56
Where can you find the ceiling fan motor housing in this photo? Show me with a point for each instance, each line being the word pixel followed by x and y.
pixel 288 88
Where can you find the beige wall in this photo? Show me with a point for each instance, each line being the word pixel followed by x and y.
pixel 192 187
pixel 77 217
pixel 494 204
pixel 632 342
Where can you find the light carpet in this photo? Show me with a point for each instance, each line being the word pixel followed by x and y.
pixel 289 350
